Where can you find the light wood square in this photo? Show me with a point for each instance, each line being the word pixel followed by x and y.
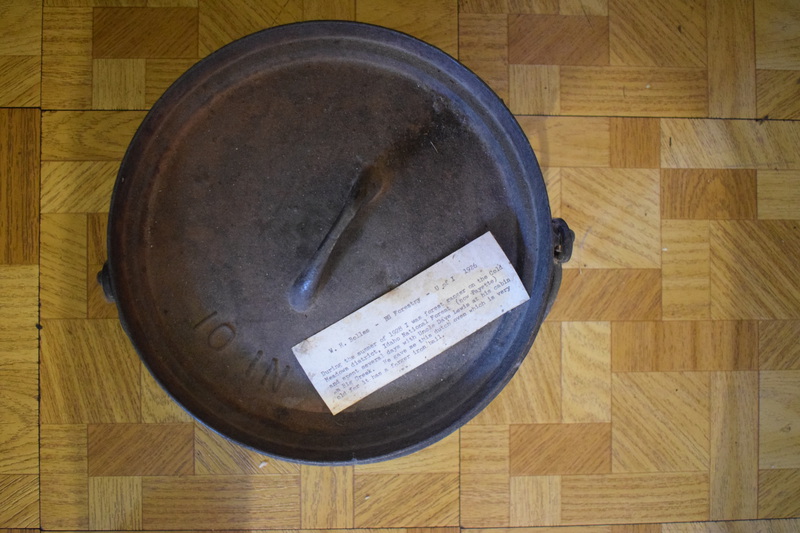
pixel 777 34
pixel 779 419
pixel 660 422
pixel 20 28
pixel 433 21
pixel 614 214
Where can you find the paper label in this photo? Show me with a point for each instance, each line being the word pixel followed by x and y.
pixel 411 324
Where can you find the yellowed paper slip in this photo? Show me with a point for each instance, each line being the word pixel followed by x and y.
pixel 411 324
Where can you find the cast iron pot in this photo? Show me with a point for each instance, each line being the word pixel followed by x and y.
pixel 258 165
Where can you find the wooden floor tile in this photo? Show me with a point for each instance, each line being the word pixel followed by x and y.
pixel 66 82
pixel 777 345
pixel 684 346
pixel 171 32
pixel 778 94
pixel 433 21
pixel 631 498
pixel 779 194
pixel 557 40
pixel 708 194
pixel 627 294
pixel 19 313
pixel 67 31
pixel 118 84
pixel 160 74
pixel 584 7
pixel 777 34
pixel 685 264
pixel 89 373
pixel 657 33
pixel 65 501
pixel 614 214
pixel 223 21
pixel 63 266
pixel 484 449
pixel 20 85
pixel 778 493
pixel 483 48
pixel 556 449
pixel 568 141
pixel 660 422
pixel 438 458
pixel 743 284
pixel 485 500
pixel 19 501
pixel 19 448
pixel 731 59
pixel 734 445
pixel 77 186
pixel 214 454
pixel 64 449
pixel 534 89
pixel 535 501
pixel 329 9
pixel 96 254
pixel 88 135
pixel 19 186
pixel 534 393
pixel 635 142
pixel 326 496
pixel 18 396
pixel 743 526
pixel 585 372
pixel 534 7
pixel 21 32
pixel 221 502
pixel 406 500
pixel 157 406
pixel 552 181
pixel 636 92
pixel 779 420
pixel 729 144
pixel 141 449
pixel 115 503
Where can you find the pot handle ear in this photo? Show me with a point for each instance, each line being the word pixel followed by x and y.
pixel 104 279
pixel 563 237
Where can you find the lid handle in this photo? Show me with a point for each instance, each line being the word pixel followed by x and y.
pixel 104 279
pixel 563 237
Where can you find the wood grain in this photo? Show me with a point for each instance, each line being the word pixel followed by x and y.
pixel 585 372
pixel 19 313
pixel 406 500
pixel 66 82
pixel 583 7
pixel 557 40
pixel 118 84
pixel 741 526
pixel 19 448
pixel 170 32
pixel 635 142
pixel 141 449
pixel 89 373
pixel 777 349
pixel 67 31
pixel 329 9
pixel 96 254
pixel 223 22
pixel 440 457
pixel 631 498
pixel 729 144
pixel 77 186
pixel 19 394
pixel 326 496
pixel 636 92
pixel 657 33
pixel 661 422
pixel 483 48
pixel 434 21
pixel 778 94
pixel 627 294
pixel 743 285
pixel 534 394
pixel 734 445
pixel 19 501
pixel 778 493
pixel 485 500
pixel 731 59
pixel 609 231
pixel 777 34
pixel 160 74
pixel 484 449
pixel 65 501
pixel 779 420
pixel 556 449
pixel 63 266
pixel 708 194
pixel 19 186
pixel 685 266
pixel 156 405
pixel 115 503
pixel 22 31
pixel 87 135
pixel 534 89
pixel 20 85
pixel 568 141
pixel 779 194
pixel 535 501
pixel 216 455
pixel 64 449
pixel 221 502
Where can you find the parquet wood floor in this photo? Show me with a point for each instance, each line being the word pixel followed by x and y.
pixel 663 392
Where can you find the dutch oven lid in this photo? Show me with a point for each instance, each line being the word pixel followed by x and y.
pixel 232 183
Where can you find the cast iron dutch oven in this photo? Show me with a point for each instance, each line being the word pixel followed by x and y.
pixel 256 169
